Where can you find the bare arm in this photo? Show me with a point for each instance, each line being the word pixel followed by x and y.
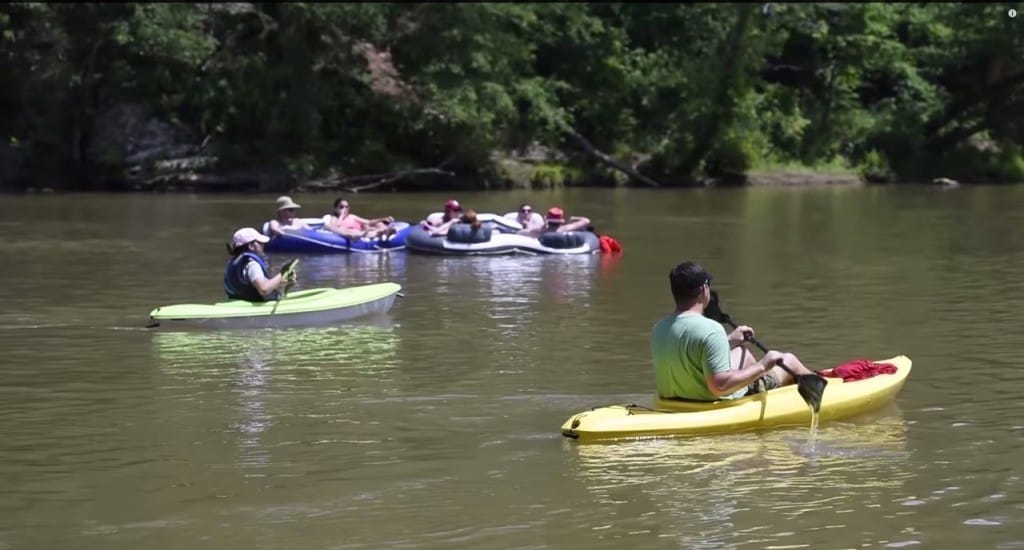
pixel 575 223
pixel 263 284
pixel 442 229
pixel 266 286
pixel 734 377
pixel 344 232
pixel 725 383
pixel 375 221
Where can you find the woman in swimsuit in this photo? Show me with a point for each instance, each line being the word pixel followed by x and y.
pixel 345 223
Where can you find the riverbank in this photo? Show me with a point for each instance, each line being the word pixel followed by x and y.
pixel 264 184
pixel 547 169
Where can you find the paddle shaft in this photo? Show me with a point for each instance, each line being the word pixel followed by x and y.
pixel 759 345
pixel 281 295
pixel 810 386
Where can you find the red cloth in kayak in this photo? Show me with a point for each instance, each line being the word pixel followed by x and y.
pixel 858 369
pixel 609 244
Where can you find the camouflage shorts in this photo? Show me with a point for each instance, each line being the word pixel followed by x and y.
pixel 769 381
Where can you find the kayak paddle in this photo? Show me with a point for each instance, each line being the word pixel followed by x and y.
pixel 286 272
pixel 810 386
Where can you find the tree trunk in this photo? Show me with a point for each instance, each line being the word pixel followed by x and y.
pixel 80 134
pixel 721 110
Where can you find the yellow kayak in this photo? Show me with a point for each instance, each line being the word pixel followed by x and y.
pixel 779 407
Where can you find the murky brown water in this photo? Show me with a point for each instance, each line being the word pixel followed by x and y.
pixel 436 426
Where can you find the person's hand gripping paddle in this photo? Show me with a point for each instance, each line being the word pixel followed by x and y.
pixel 810 386
pixel 287 275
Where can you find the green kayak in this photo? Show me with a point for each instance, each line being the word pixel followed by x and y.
pixel 313 307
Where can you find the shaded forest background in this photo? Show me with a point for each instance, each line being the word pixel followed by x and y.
pixel 430 96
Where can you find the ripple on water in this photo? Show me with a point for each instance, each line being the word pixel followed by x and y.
pixel 440 429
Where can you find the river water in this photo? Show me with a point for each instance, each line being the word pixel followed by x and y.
pixel 437 425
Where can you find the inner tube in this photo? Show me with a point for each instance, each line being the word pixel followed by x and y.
pixel 499 243
pixel 503 224
pixel 317 240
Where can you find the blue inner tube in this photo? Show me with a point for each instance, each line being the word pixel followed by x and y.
pixel 319 241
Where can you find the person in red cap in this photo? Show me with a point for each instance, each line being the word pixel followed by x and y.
pixel 555 221
pixel 469 217
pixel 452 210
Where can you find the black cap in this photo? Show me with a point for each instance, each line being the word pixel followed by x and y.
pixel 686 278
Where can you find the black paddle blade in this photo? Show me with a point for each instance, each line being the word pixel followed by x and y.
pixel 288 267
pixel 811 387
pixel 714 311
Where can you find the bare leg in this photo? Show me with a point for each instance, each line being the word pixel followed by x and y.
pixel 791 361
pixel 736 354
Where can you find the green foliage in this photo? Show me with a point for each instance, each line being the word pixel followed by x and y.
pixel 553 176
pixel 875 167
pixel 679 91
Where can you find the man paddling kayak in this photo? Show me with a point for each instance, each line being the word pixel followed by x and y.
pixel 247 276
pixel 695 359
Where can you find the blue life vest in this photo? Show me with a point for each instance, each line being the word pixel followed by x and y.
pixel 237 286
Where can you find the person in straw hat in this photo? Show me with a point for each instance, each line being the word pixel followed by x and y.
pixel 285 218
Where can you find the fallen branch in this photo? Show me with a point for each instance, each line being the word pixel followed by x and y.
pixel 193 180
pixel 609 161
pixel 355 184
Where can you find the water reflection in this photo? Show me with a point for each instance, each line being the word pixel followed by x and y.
pixel 276 374
pixel 510 288
pixel 343 270
pixel 307 438
pixel 730 488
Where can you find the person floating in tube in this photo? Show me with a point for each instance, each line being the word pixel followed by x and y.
pixel 555 221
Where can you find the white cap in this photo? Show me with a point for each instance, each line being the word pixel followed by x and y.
pixel 247 235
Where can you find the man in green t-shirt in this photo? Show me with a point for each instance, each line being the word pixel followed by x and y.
pixel 695 359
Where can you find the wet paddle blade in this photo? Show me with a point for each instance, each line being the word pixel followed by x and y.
pixel 811 387
pixel 713 311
